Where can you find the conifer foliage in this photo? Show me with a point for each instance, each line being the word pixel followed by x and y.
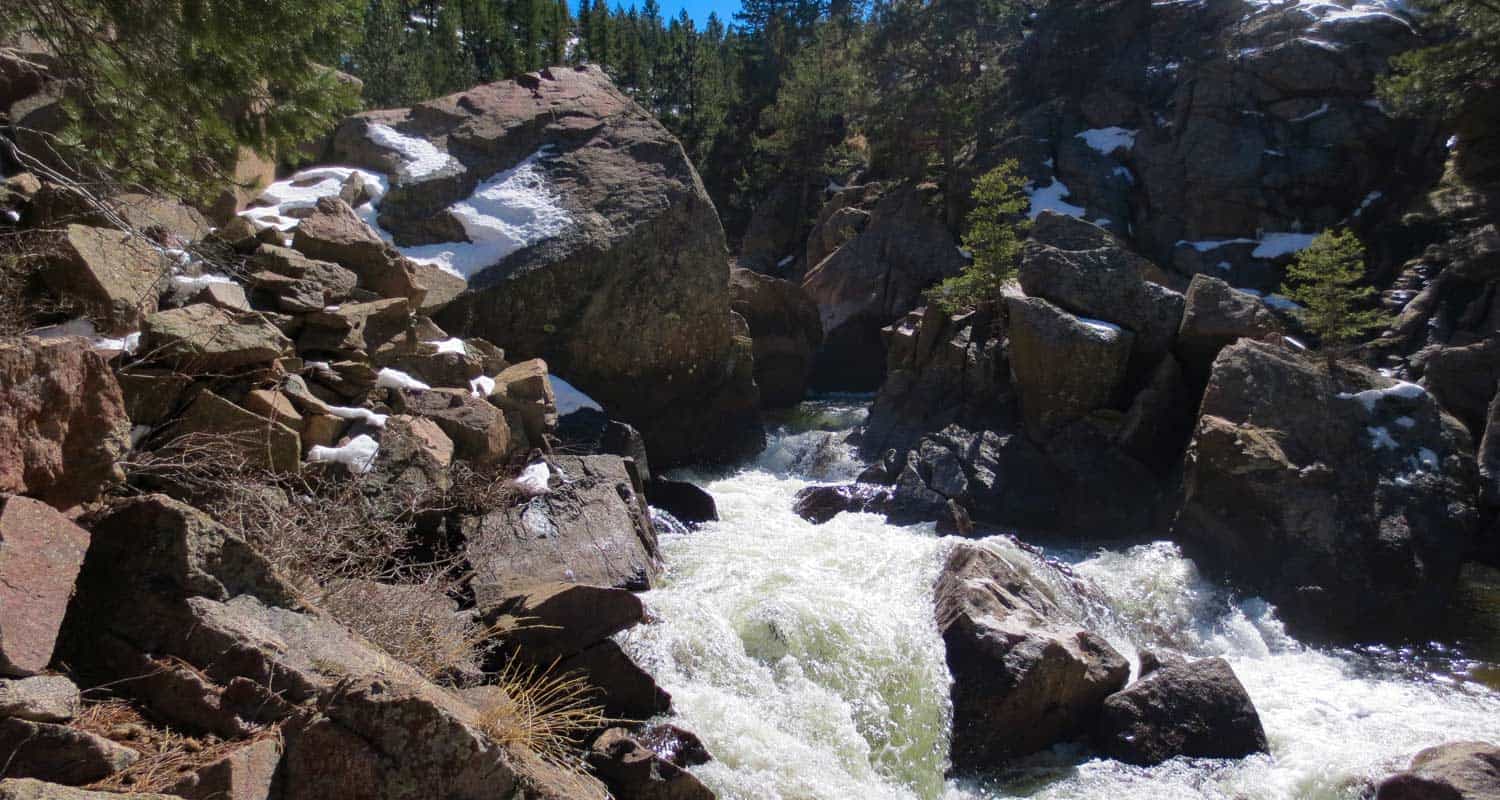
pixel 997 228
pixel 161 94
pixel 1324 280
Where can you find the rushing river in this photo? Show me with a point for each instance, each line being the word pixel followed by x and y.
pixel 807 658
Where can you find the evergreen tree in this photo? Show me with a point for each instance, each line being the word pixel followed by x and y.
pixel 562 31
pixel 599 36
pixel 1324 279
pixel 383 59
pixel 160 94
pixel 997 228
pixel 1439 80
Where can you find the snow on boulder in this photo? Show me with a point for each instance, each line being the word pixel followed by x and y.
pixel 586 238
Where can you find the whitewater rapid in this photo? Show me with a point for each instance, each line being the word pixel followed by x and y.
pixel 807 659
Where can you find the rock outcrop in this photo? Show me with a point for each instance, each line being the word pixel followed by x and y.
pixel 1347 499
pixel 787 333
pixel 624 289
pixel 1025 674
pixel 873 279
pixel 1197 709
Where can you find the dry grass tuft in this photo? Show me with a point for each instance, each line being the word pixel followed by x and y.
pixel 546 713
pixel 166 756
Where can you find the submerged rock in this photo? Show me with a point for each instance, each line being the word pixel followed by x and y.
pixel 1025 674
pixel 1196 709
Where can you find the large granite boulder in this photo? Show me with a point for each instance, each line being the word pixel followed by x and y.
pixel 615 268
pixel 875 278
pixel 1457 771
pixel 1347 499
pixel 1064 366
pixel 1196 709
pixel 63 424
pixel 785 328
pixel 1026 675
pixel 41 552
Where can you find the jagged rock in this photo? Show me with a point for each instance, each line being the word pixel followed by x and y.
pixel 424 361
pixel 58 753
pixel 593 521
pixel 114 278
pixel 1347 500
pixel 1025 675
pixel 620 439
pixel 786 330
pixel 62 421
pixel 228 296
pixel 333 232
pixel 201 339
pixel 1084 270
pixel 839 221
pixel 1216 317
pixel 41 698
pixel 1456 771
pixel 152 395
pixel 28 789
pixel 525 390
pixel 478 429
pixel 414 453
pixel 942 370
pixel 562 619
pixel 1064 366
pixel 1489 485
pixel 1463 379
pixel 156 215
pixel 773 234
pixel 273 405
pixel 41 552
pixel 819 504
pixel 627 691
pixel 683 500
pixel 247 773
pixel 872 280
pixel 261 442
pixel 1197 709
pixel 633 772
pixel 355 327
pixel 630 289
pixel 336 282
pixel 163 578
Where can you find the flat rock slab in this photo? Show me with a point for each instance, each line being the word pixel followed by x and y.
pixel 41 552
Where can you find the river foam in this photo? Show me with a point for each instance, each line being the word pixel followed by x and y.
pixel 807 659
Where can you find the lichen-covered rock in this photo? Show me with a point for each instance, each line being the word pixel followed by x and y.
pixel 62 421
pixel 1347 499
pixel 202 339
pixel 1025 674
pixel 58 753
pixel 40 698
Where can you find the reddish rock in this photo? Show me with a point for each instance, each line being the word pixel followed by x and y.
pixel 40 555
pixel 62 421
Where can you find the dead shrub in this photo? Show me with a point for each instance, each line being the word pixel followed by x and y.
pixel 547 713
pixel 166 755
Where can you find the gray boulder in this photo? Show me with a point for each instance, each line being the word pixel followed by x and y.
pixel 1064 366
pixel 1457 771
pixel 1347 499
pixel 1196 709
pixel 1025 674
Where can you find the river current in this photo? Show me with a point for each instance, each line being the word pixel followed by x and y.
pixel 807 659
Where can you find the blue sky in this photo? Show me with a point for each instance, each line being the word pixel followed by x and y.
pixel 697 9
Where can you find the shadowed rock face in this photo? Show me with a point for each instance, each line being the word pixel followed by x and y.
pixel 630 300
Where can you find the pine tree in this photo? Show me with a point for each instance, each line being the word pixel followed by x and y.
pixel 1441 80
pixel 161 94
pixel 383 58
pixel 1324 280
pixel 599 36
pixel 997 227
pixel 562 31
